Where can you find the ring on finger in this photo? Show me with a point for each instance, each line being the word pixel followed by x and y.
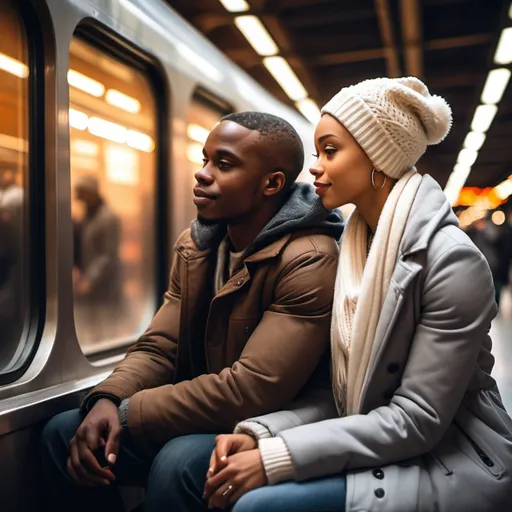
pixel 228 490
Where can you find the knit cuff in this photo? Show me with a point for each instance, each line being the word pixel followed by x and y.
pixel 123 413
pixel 277 460
pixel 253 429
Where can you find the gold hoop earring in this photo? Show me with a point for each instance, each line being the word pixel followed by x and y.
pixel 373 180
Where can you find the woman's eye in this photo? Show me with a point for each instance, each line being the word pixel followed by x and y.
pixel 315 155
pixel 329 150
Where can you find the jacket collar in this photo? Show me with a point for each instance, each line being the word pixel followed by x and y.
pixel 430 211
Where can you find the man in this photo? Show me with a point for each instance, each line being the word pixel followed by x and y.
pixel 97 273
pixel 244 324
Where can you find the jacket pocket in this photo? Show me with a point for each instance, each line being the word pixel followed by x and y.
pixel 474 446
pixel 440 463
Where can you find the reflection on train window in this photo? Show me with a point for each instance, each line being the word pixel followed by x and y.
pixel 14 102
pixel 112 119
pixel 203 115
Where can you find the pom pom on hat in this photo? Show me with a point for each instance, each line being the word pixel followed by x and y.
pixel 393 119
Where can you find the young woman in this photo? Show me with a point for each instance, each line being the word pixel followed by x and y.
pixel 417 423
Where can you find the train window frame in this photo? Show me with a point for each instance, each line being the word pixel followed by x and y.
pixel 34 236
pixel 104 39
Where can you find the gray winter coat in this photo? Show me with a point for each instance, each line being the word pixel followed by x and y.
pixel 433 434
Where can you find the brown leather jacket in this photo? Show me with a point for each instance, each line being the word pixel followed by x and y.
pixel 207 362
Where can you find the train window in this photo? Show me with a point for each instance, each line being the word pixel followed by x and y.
pixel 204 113
pixel 14 168
pixel 113 124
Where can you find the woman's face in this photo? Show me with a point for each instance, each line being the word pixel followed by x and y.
pixel 342 170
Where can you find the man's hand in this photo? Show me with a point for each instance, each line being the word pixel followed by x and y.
pixel 242 473
pixel 226 445
pixel 100 429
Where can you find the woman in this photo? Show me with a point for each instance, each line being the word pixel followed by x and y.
pixel 417 421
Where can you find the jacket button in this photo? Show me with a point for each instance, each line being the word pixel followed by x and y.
pixel 393 368
pixel 240 282
pixel 378 474
pixel 379 492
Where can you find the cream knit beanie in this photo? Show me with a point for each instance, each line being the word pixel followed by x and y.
pixel 392 119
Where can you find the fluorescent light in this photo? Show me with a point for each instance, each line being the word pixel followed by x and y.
pixel 195 153
pixel 484 114
pixel 309 110
pixel 86 84
pixel 503 53
pixel 467 157
pixel 235 5
pixel 140 141
pixel 197 133
pixel 257 35
pixel 474 140
pixel 85 147
pixel 504 190
pixel 77 119
pixel 13 66
pixel 285 77
pixel 461 171
pixel 107 130
pixel 495 85
pixel 123 101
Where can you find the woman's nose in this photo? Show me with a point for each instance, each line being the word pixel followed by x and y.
pixel 316 170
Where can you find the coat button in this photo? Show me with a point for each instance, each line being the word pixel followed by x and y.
pixel 379 492
pixel 393 368
pixel 240 282
pixel 378 474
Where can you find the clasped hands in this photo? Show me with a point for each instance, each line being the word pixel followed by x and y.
pixel 235 469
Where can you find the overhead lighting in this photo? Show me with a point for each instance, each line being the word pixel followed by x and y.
pixel 78 120
pixel 484 115
pixel 285 77
pixel 13 143
pixel 503 53
pixel 107 130
pixel 195 153
pixel 122 101
pixel 495 85
pixel 461 171
pixel 235 5
pixel 504 190
pixel 140 141
pixel 85 147
pixel 467 157
pixel 309 110
pixel 498 217
pixel 197 133
pixel 86 84
pixel 474 140
pixel 257 35
pixel 13 66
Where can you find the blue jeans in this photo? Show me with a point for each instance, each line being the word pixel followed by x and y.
pixel 174 480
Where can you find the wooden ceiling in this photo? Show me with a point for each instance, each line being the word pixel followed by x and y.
pixel 449 44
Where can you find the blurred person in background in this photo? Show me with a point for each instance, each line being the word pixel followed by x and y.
pixel 97 273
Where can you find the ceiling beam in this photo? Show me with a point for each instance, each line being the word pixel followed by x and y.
pixel 388 37
pixel 447 43
pixel 412 37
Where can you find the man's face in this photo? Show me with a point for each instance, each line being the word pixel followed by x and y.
pixel 236 168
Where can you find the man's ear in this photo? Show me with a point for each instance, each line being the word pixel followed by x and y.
pixel 274 183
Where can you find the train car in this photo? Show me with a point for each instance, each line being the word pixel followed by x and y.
pixel 121 93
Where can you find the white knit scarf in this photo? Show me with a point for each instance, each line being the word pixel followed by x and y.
pixel 360 289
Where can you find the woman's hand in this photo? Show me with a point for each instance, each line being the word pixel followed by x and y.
pixel 242 473
pixel 226 445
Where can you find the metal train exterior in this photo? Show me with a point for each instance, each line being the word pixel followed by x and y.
pixel 52 373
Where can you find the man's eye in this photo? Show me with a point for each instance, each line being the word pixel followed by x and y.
pixel 223 164
pixel 205 161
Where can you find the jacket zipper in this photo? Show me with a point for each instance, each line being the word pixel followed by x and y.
pixel 479 451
